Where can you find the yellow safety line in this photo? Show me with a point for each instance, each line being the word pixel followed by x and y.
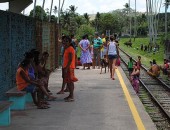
pixel 132 106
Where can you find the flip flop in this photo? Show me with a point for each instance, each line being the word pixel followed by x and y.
pixel 69 100
pixel 113 78
pixel 43 107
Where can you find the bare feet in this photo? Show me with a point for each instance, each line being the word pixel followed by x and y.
pixel 60 92
pixel 51 98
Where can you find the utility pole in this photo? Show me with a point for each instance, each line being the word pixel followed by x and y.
pixel 130 21
pixel 58 20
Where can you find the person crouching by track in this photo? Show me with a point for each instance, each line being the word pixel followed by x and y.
pixel 154 69
pixel 24 83
pixel 69 66
pixel 134 78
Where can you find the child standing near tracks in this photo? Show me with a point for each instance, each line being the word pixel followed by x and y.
pixel 130 65
pixel 135 78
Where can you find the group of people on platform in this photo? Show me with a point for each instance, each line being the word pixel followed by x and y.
pixel 32 75
pixel 100 53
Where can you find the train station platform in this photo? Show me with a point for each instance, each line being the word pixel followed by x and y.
pixel 100 104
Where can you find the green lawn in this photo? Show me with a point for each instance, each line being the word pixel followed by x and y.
pixel 146 57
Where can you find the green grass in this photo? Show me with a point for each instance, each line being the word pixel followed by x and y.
pixel 146 57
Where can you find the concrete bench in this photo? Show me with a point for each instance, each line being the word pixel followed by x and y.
pixel 5 114
pixel 18 98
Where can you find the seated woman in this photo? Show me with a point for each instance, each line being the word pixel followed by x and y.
pixel 154 69
pixel 135 78
pixel 24 83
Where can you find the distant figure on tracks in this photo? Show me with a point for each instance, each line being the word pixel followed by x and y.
pixel 135 78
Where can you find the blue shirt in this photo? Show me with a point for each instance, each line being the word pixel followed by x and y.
pixel 97 42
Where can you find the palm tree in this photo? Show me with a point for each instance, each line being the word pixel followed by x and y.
pixel 43 9
pixel 55 10
pixel 65 19
pixel 62 5
pixel 58 20
pixel 51 10
pixel 72 9
pixel 127 6
pixel 86 16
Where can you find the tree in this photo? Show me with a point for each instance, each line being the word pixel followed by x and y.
pixel 72 9
pixel 86 16
pixel 51 10
pixel 85 29
pixel 109 22
pixel 38 11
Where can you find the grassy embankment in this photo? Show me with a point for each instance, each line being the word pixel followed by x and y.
pixel 135 51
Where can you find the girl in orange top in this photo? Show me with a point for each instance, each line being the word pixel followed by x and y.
pixel 24 83
pixel 69 66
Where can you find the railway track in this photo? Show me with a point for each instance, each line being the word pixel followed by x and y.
pixel 154 94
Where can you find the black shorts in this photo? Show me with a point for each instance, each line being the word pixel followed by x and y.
pixel 112 57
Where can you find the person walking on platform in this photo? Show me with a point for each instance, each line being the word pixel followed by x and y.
pixel 112 50
pixel 69 66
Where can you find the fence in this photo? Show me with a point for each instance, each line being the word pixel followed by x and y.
pixel 19 34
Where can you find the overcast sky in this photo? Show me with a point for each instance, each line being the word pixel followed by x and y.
pixel 89 6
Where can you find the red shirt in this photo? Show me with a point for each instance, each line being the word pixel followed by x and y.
pixel 68 50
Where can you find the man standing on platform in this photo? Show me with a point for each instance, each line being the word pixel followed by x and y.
pixel 97 46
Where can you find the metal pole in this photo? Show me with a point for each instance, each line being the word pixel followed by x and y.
pixel 58 20
pixel 135 32
pixel 130 20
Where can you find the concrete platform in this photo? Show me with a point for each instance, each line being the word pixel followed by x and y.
pixel 100 104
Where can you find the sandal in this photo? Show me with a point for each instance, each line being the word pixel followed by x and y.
pixel 42 107
pixel 69 100
pixel 66 98
pixel 45 102
pixel 113 78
